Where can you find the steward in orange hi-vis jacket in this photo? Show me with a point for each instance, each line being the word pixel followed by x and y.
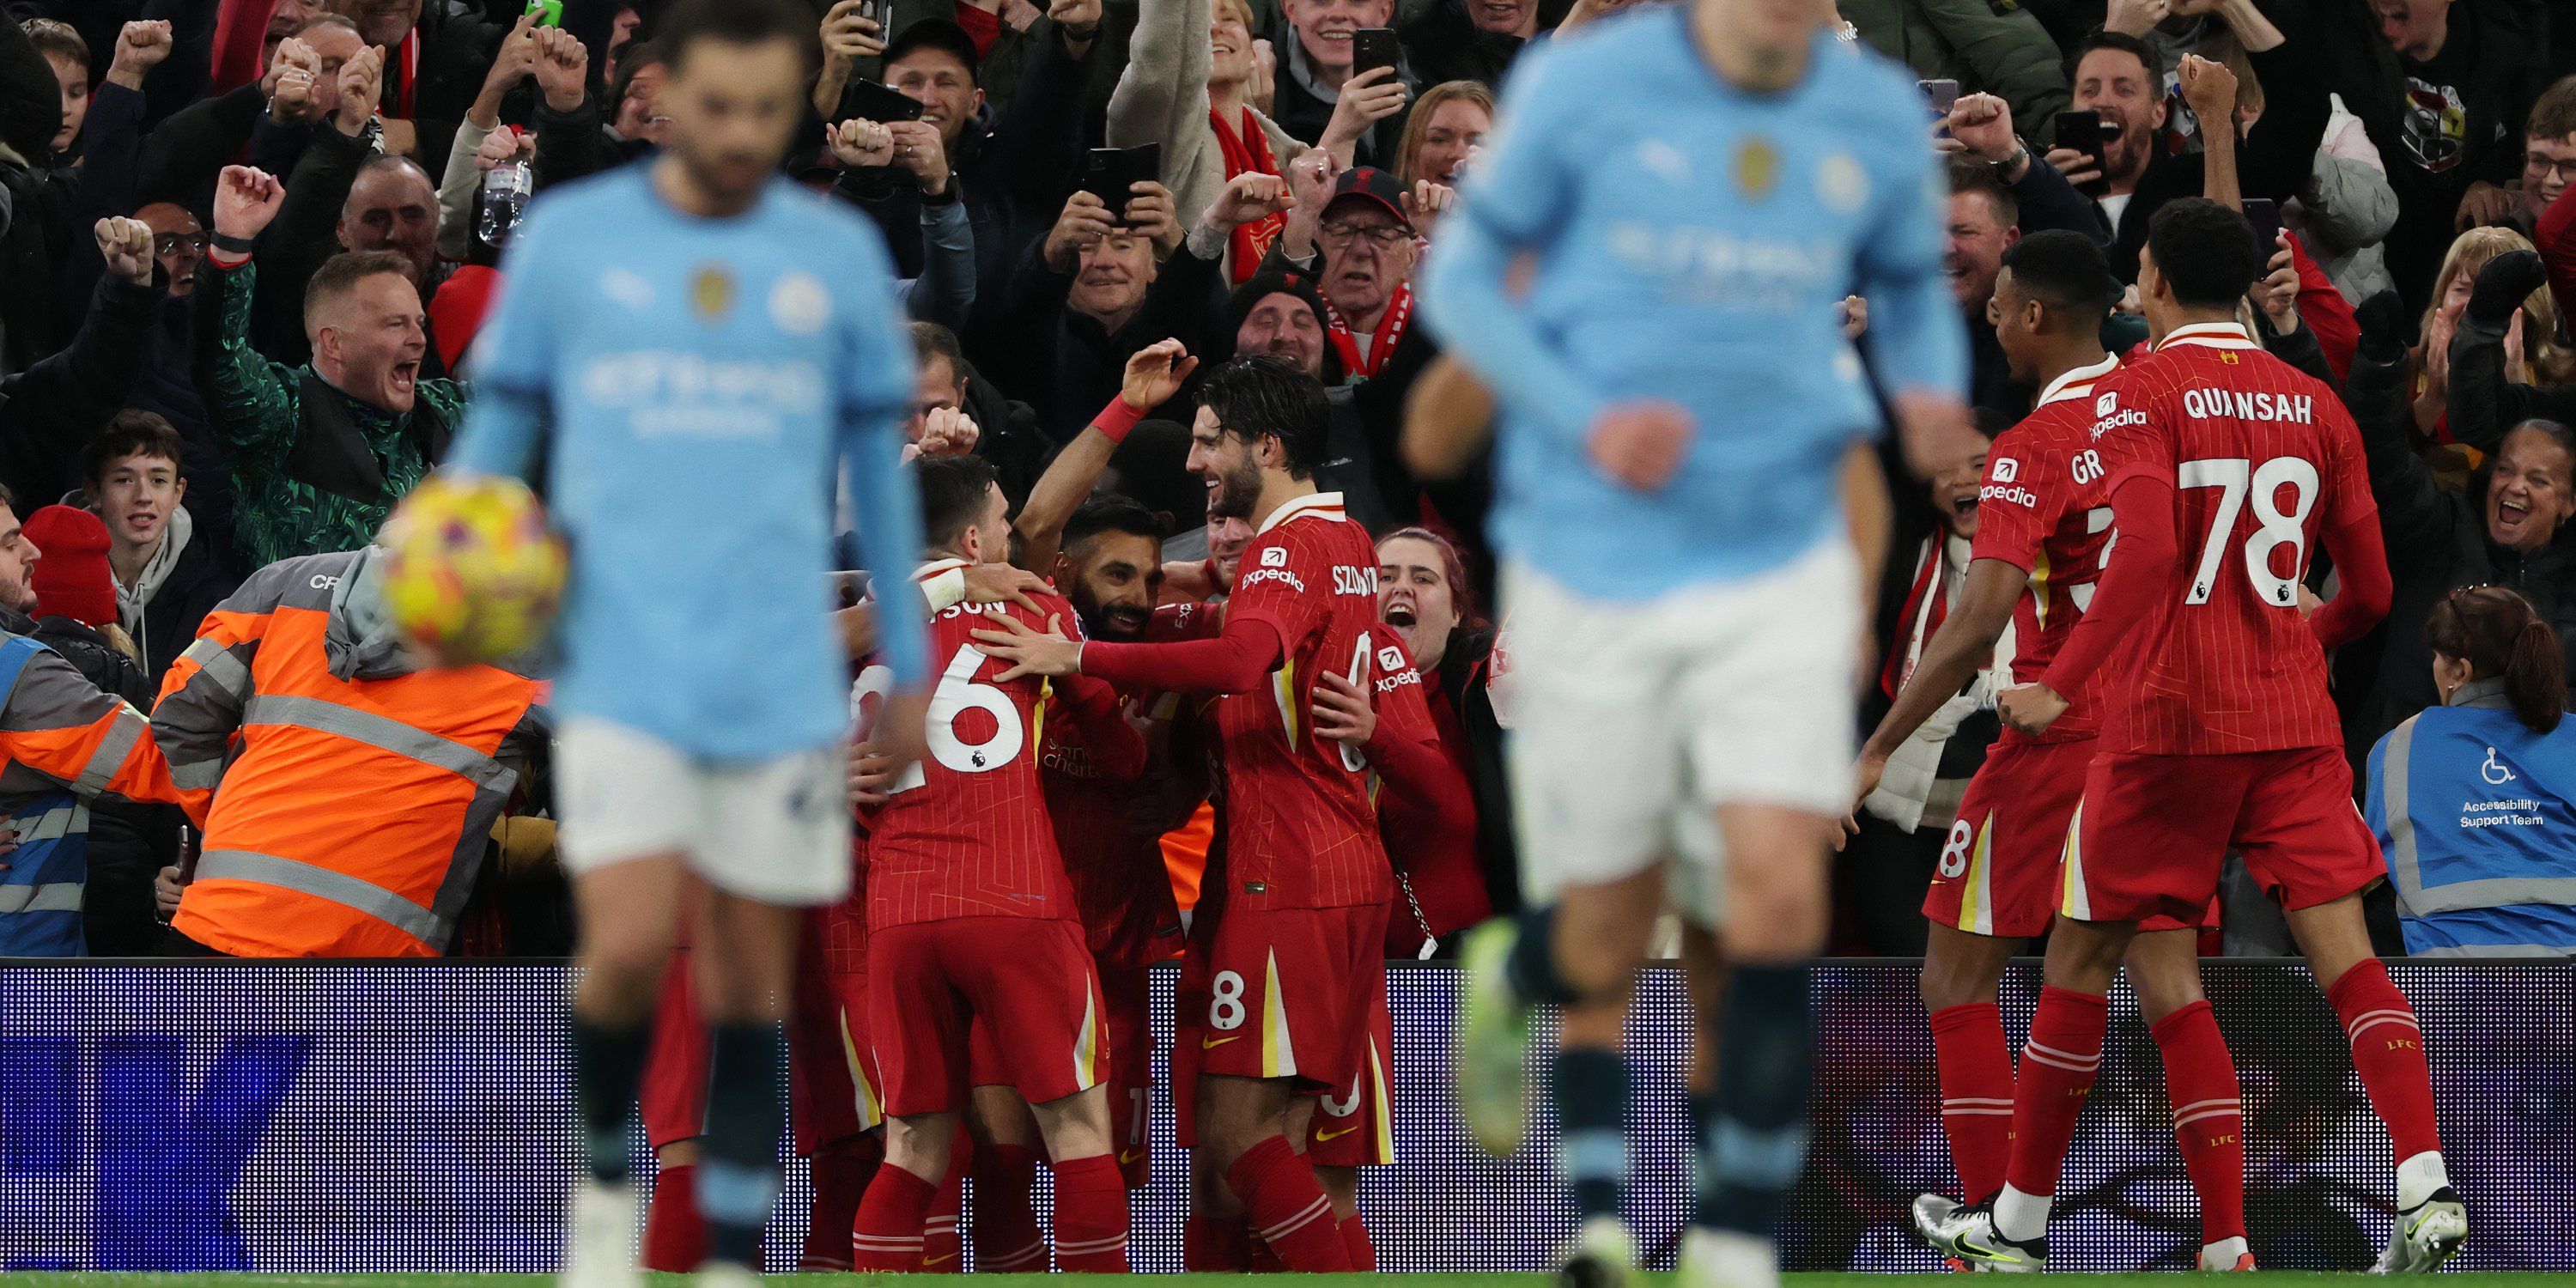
pixel 346 797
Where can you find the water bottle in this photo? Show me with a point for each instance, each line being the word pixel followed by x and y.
pixel 505 194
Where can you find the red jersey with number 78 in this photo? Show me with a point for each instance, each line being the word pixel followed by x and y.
pixel 966 832
pixel 1299 829
pixel 2262 458
pixel 2043 509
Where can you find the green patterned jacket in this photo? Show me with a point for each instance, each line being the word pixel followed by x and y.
pixel 317 471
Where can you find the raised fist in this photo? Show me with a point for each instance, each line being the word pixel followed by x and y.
pixel 126 245
pixel 140 47
pixel 563 68
pixel 858 144
pixel 245 200
pixel 362 80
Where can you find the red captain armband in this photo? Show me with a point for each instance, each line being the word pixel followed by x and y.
pixel 1117 419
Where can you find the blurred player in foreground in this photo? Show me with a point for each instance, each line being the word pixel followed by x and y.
pixel 2217 732
pixel 735 338
pixel 1679 412
pixel 2043 534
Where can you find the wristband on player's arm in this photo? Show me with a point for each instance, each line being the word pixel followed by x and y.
pixel 1118 419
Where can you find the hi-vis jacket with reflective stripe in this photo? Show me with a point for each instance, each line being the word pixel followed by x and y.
pixel 343 815
pixel 2477 816
pixel 66 744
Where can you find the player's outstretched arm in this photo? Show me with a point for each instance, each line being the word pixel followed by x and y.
pixel 1966 640
pixel 2142 509
pixel 1466 300
pixel 1916 340
pixel 1233 662
pixel 1153 375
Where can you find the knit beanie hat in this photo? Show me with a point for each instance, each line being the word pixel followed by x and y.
pixel 72 579
pixel 1259 286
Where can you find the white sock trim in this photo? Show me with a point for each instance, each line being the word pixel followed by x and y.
pixel 2418 1177
pixel 2021 1217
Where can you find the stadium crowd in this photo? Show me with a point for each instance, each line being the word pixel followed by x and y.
pixel 205 378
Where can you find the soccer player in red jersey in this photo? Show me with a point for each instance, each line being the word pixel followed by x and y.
pixel 2043 524
pixel 1294 957
pixel 2226 468
pixel 970 918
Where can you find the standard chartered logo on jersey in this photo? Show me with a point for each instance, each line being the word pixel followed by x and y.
pixel 670 393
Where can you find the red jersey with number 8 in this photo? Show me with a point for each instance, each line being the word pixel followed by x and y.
pixel 966 832
pixel 1300 832
pixel 2262 458
pixel 2044 509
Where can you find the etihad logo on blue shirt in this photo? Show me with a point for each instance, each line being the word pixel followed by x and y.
pixel 1720 265
pixel 678 393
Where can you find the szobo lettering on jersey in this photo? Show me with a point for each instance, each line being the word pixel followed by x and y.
pixel 2043 509
pixel 2262 459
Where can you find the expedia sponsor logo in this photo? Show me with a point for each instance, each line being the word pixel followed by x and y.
pixel 2018 495
pixel 2006 469
pixel 2118 419
pixel 1389 684
pixel 1260 575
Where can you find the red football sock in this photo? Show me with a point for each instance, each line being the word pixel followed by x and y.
pixel 1288 1209
pixel 2209 1122
pixel 1005 1229
pixel 890 1220
pixel 1356 1245
pixel 675 1236
pixel 1219 1245
pixel 1262 1259
pixel 1975 1063
pixel 2058 1066
pixel 1090 1216
pixel 2388 1049
pixel 940 1244
pixel 841 1173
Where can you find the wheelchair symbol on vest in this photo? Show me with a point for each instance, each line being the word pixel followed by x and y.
pixel 2495 774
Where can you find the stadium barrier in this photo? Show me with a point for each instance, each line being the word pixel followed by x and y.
pixel 347 1118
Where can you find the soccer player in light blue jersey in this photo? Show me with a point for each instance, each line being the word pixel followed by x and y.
pixel 691 354
pixel 1645 267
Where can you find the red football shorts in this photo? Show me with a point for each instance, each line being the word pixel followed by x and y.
pixel 1278 993
pixel 1352 1126
pixel 1029 982
pixel 2153 832
pixel 831 1075
pixel 1998 871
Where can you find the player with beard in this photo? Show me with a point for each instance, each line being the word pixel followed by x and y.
pixel 1291 963
pixel 2043 533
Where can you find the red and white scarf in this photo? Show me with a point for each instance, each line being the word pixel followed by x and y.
pixel 1248 149
pixel 1390 330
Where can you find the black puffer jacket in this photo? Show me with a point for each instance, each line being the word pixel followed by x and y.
pixel 2437 543
pixel 128 843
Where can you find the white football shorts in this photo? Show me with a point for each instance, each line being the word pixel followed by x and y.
pixel 1635 721
pixel 774 831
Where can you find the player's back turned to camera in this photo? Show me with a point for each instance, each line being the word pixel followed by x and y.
pixel 697 327
pixel 1646 265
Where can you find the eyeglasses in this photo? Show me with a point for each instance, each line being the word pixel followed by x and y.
pixel 1382 236
pixel 2538 166
pixel 173 243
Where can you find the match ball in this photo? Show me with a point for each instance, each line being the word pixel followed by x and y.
pixel 472 572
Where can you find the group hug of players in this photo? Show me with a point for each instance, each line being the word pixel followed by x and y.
pixel 2145 533
pixel 978 1006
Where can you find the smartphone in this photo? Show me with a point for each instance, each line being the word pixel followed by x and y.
pixel 549 13
pixel 1112 173
pixel 2082 132
pixel 2265 216
pixel 1373 47
pixel 870 101
pixel 1943 93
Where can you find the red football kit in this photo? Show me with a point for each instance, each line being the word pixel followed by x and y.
pixel 1109 830
pixel 1289 926
pixel 2045 509
pixel 969 912
pixel 2226 466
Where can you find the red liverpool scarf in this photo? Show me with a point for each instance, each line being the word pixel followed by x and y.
pixel 1390 329
pixel 1248 150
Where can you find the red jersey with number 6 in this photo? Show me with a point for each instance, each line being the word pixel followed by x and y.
pixel 1299 829
pixel 966 832
pixel 2044 509
pixel 2262 459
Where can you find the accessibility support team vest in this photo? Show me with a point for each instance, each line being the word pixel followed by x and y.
pixel 40 891
pixel 2473 810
